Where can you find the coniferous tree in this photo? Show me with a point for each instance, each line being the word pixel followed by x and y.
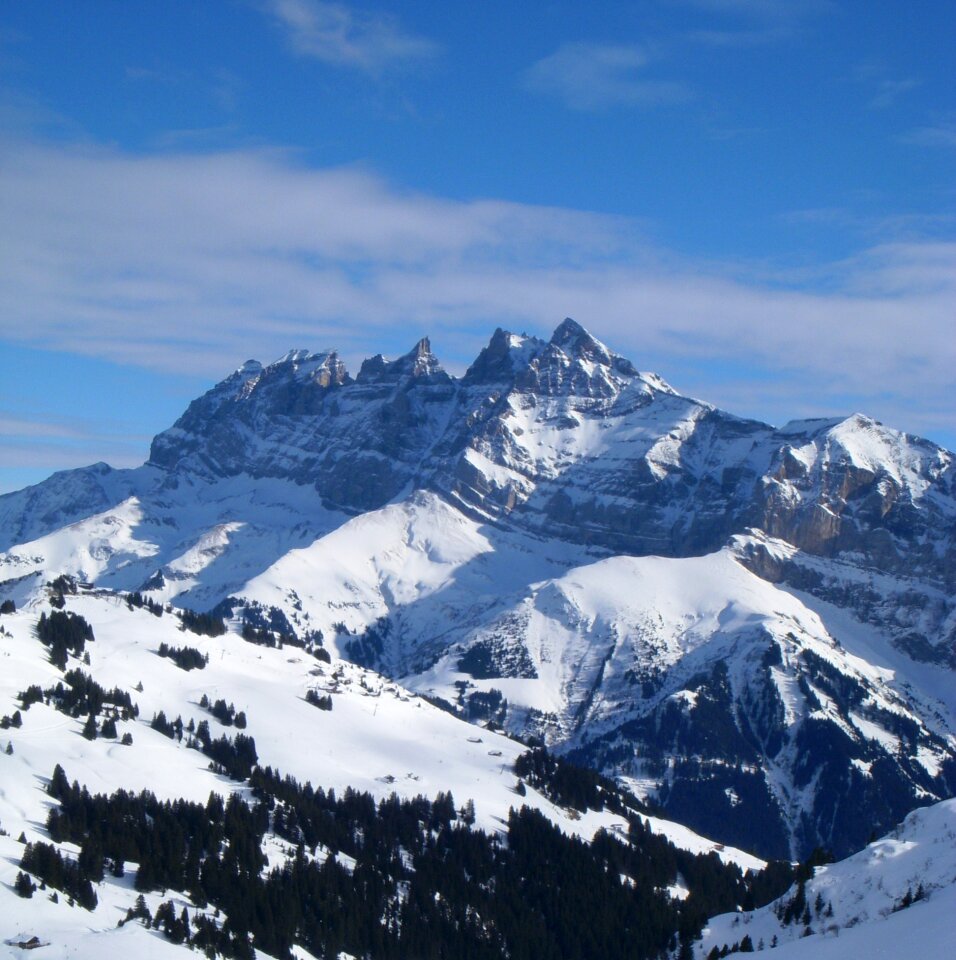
pixel 450 892
pixel 59 785
pixel 24 886
pixel 90 860
pixel 89 728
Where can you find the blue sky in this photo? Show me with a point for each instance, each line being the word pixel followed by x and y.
pixel 754 198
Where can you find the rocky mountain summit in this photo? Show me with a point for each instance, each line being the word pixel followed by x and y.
pixel 567 437
pixel 755 625
pixel 358 441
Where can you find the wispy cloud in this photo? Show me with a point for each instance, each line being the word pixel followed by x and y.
pixel 12 425
pixel 52 455
pixel 220 86
pixel 882 227
pixel 343 36
pixel 884 91
pixel 941 134
pixel 192 263
pixel 745 23
pixel 890 92
pixel 737 38
pixel 33 441
pixel 594 76
pixel 766 9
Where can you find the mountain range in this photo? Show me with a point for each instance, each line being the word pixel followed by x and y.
pixel 753 626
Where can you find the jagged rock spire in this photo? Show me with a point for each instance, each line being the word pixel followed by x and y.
pixel 417 363
pixel 500 360
pixel 576 342
pixel 420 361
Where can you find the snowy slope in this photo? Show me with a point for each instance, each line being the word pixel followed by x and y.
pixel 377 737
pixel 594 655
pixel 70 931
pixel 188 539
pixel 862 901
pixel 633 664
pixel 566 532
pixel 420 565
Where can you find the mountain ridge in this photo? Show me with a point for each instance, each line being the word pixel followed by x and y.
pixel 435 515
pixel 486 453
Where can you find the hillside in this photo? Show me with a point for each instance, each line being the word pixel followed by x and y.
pixel 753 626
pixel 364 742
pixel 894 898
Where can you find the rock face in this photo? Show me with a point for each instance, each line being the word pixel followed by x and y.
pixel 357 442
pixel 858 489
pixel 546 459
pixel 745 708
pixel 566 438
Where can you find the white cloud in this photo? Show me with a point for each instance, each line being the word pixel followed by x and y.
pixel 889 92
pixel 762 21
pixel 35 442
pixel 593 76
pixel 340 35
pixel 942 134
pixel 192 263
pixel 765 9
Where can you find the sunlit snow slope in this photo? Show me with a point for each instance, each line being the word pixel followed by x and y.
pixel 893 899
pixel 756 625
pixel 377 737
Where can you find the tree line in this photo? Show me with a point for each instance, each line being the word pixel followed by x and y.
pixel 398 878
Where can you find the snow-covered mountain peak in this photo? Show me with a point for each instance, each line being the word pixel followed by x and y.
pixel 575 341
pixel 500 361
pixel 873 446
pixel 249 367
pixel 421 361
pixel 296 382
pixel 418 363
pixel 473 498
pixel 292 356
pixel 868 444
pixel 323 368
pixel 575 363
pixel 579 344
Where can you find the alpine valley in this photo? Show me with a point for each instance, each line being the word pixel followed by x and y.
pixel 369 666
